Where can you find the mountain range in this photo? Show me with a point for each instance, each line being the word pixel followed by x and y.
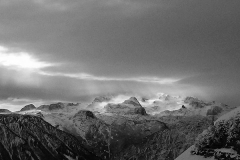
pixel 161 128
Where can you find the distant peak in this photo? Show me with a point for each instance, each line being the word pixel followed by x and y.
pixel 143 99
pixel 4 111
pixel 101 99
pixel 28 107
pixel 85 114
pixel 132 101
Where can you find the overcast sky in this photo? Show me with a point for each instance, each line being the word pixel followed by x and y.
pixel 73 50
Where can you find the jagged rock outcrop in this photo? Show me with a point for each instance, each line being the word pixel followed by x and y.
pixel 29 137
pixel 28 107
pixel 130 106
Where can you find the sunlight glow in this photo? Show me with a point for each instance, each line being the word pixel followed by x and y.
pixel 20 60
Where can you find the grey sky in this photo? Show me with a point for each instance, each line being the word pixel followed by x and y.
pixel 82 48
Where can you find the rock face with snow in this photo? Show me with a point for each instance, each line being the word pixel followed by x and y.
pixel 130 106
pixel 29 137
pixel 28 107
pixel 86 125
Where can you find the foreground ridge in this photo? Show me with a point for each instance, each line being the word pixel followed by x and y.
pixel 30 137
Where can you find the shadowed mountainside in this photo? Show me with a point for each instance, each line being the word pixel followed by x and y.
pixel 25 137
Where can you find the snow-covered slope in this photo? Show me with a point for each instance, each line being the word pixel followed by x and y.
pixel 188 156
pixel 233 113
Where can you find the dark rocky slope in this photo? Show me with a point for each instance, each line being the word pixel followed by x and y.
pixel 169 143
pixel 25 137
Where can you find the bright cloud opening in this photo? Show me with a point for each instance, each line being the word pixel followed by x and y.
pixel 20 60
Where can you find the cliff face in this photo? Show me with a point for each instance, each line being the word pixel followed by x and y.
pixel 24 137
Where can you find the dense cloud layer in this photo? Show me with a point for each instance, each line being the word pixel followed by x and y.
pixel 96 47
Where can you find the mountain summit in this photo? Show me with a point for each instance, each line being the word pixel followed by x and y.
pixel 130 106
pixel 28 107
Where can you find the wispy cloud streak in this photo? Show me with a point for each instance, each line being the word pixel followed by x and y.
pixel 84 76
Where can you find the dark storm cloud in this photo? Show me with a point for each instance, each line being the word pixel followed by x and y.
pixel 196 42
